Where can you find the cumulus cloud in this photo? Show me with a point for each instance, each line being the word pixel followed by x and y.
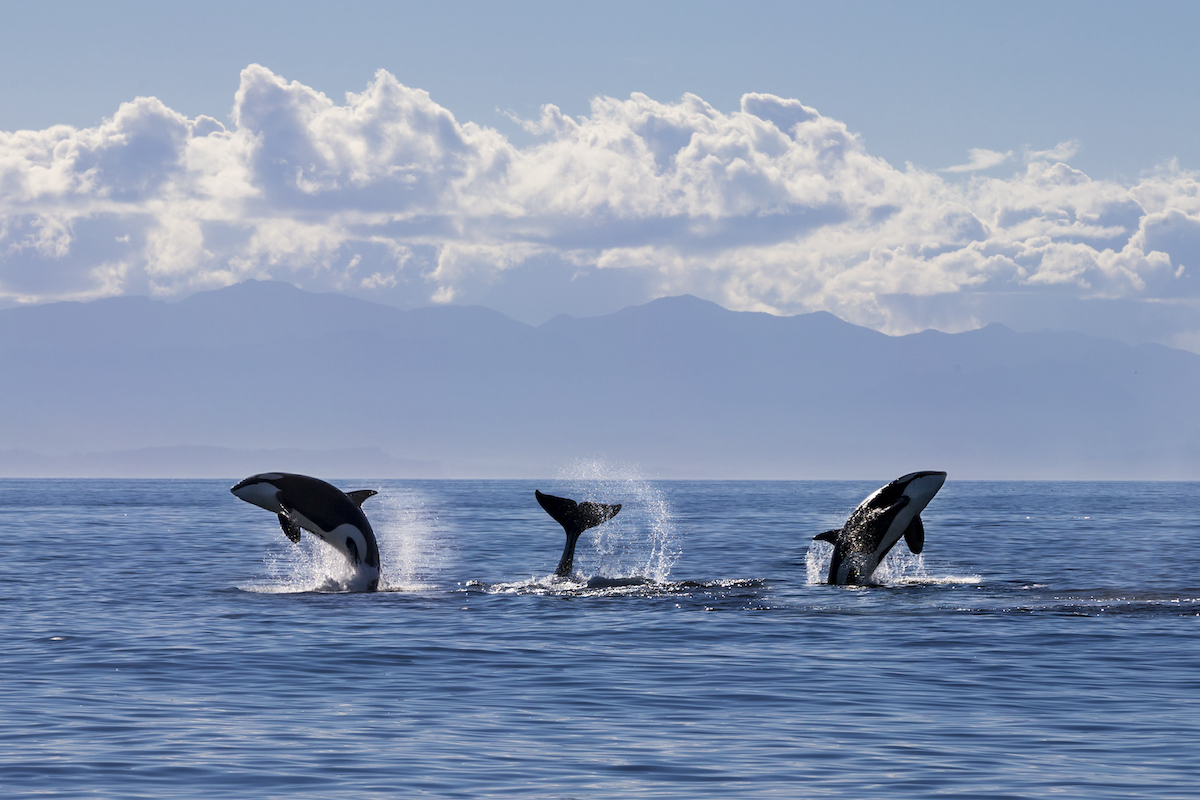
pixel 980 159
pixel 770 207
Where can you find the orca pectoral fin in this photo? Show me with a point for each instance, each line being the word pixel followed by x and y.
pixel 885 517
pixel 358 495
pixel 914 535
pixel 828 536
pixel 290 529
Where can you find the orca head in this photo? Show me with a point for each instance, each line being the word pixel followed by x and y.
pixel 260 490
pixel 920 487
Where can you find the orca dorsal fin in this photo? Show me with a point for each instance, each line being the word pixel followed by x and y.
pixel 828 536
pixel 358 495
pixel 290 529
pixel 914 535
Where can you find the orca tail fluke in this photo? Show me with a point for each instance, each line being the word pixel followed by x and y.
pixel 595 513
pixel 576 517
pixel 560 508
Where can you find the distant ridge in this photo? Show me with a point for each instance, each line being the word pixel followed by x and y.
pixel 679 387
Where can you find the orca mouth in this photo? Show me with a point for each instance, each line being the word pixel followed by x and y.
pixel 262 477
pixel 258 493
pixel 243 484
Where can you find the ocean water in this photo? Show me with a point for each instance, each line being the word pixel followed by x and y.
pixel 163 639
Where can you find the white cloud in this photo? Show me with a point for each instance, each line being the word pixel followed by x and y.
pixel 981 159
pixel 1063 151
pixel 770 207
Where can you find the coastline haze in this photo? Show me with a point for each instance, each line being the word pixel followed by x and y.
pixel 265 372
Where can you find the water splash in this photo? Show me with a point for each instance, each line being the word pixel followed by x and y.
pixel 900 567
pixel 907 569
pixel 310 565
pixel 640 542
pixel 816 561
pixel 411 552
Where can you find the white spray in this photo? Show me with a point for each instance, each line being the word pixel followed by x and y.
pixel 411 552
pixel 640 542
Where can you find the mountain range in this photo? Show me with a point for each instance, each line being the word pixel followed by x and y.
pixel 264 376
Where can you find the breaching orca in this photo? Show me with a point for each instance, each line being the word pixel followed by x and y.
pixel 575 519
pixel 891 512
pixel 321 509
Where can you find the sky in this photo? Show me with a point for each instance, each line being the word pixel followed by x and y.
pixel 902 165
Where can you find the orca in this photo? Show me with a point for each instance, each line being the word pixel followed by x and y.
pixel 891 512
pixel 310 504
pixel 575 519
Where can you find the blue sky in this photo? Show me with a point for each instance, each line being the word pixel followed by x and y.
pixel 903 165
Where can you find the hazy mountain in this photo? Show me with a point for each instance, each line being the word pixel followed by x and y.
pixel 265 376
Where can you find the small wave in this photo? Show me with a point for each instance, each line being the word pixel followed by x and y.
pixel 938 580
pixel 414 588
pixel 330 585
pixel 1094 602
pixel 610 587
pixel 1093 609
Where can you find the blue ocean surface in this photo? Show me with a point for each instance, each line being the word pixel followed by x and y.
pixel 163 639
